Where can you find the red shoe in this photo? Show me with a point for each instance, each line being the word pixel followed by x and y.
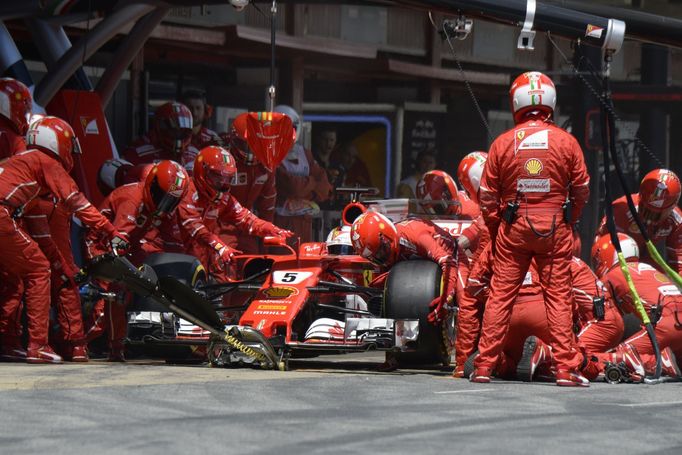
pixel 458 373
pixel 79 353
pixel 571 378
pixel 481 375
pixel 43 354
pixel 535 354
pixel 13 353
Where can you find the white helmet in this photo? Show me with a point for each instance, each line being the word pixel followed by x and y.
pixel 292 114
pixel 469 173
pixel 338 241
pixel 110 174
pixel 532 91
pixel 605 256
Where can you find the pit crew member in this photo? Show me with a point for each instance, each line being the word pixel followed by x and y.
pixel 201 111
pixel 37 172
pixel 531 172
pixel 656 204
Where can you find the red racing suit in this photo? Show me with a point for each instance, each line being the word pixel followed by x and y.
pixel 25 177
pixel 146 235
pixel 204 138
pixel 226 211
pixel 143 151
pixel 670 230
pixel 254 188
pixel 654 288
pixel 422 239
pixel 594 335
pixel 538 166
pixel 300 182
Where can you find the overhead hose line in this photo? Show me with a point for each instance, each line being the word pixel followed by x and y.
pixel 640 143
pixel 467 85
pixel 609 146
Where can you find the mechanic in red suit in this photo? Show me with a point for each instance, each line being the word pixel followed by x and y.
pixel 201 111
pixel 660 297
pixel 214 171
pixel 531 171
pixel 148 214
pixel 253 187
pixel 656 205
pixel 35 173
pixel 15 109
pixel 169 138
pixel 438 195
pixel 301 184
pixel 378 240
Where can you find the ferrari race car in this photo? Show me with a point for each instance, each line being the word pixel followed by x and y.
pixel 291 302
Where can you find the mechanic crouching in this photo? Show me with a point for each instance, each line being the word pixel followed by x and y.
pixel 148 214
pixel 214 172
pixel 383 243
pixel 39 172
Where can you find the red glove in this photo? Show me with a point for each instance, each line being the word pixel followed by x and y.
pixel 284 233
pixel 225 252
pixel 440 307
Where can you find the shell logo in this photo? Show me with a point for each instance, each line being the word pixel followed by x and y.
pixel 534 166
pixel 280 292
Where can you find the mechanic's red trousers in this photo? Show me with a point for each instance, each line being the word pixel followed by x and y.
pixel 668 333
pixel 469 319
pixel 600 336
pixel 515 247
pixel 21 255
pixel 11 308
pixel 50 227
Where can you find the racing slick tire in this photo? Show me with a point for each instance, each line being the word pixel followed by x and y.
pixel 189 271
pixel 410 288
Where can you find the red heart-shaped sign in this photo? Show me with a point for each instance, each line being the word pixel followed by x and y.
pixel 270 135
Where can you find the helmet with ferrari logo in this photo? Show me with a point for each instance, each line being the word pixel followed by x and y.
pixel 437 193
pixel 214 171
pixel 15 104
pixel 470 171
pixel 55 137
pixel 659 193
pixel 164 187
pixel 172 127
pixel 605 256
pixel 338 241
pixel 375 238
pixel 532 92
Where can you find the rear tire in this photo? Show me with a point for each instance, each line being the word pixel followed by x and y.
pixel 410 288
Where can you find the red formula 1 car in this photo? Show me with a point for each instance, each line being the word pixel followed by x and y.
pixel 302 302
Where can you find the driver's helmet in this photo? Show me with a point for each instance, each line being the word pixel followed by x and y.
pixel 659 193
pixel 437 193
pixel 338 241
pixel 605 256
pixel 165 186
pixel 375 238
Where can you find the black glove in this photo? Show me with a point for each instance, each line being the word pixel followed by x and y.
pixel 119 245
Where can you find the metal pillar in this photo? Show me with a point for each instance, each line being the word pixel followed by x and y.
pixel 127 51
pixel 653 126
pixel 85 47
pixel 586 128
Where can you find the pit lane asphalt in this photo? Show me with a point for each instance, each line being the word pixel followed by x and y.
pixel 334 405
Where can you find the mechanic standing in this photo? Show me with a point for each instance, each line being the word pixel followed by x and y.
pixel 201 111
pixel 253 186
pixel 169 138
pixel 37 172
pixel 533 189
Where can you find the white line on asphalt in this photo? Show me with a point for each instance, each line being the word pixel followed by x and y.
pixel 464 391
pixel 653 403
